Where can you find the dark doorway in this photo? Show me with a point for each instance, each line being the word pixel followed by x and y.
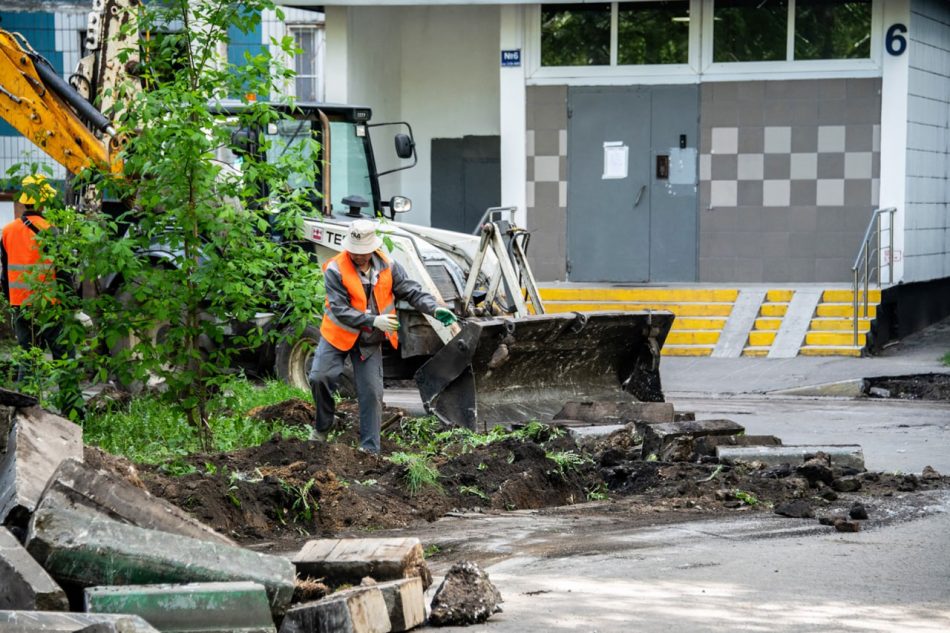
pixel 466 180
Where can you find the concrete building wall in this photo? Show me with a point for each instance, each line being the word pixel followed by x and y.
pixel 547 180
pixel 788 178
pixel 927 207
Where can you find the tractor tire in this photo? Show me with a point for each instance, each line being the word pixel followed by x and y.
pixel 294 356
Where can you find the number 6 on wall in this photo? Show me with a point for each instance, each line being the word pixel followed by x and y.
pixel 894 42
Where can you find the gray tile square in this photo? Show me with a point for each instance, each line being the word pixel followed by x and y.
pixel 857 165
pixel 803 166
pixel 717 269
pixel 549 116
pixel 751 140
pixel 801 244
pixel 717 244
pixel 876 165
pixel 724 167
pixel 779 112
pixel 529 169
pixel 748 245
pixel 776 193
pixel 831 165
pixel 546 197
pixel 830 192
pixel 749 219
pixel 747 270
pixel 546 143
pixel 718 219
pixel 775 220
pixel 863 112
pixel 705 140
pixel 832 113
pixel 803 219
pixel 778 140
pixel 704 188
pixel 719 114
pixel 803 193
pixel 750 92
pixel 859 138
pixel 750 166
pixel 863 88
pixel 777 166
pixel 562 168
pixel 833 269
pixel 775 244
pixel 802 112
pixel 804 138
pixel 832 89
pixel 858 192
pixel 725 90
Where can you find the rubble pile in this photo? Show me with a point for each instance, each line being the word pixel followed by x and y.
pixel 82 549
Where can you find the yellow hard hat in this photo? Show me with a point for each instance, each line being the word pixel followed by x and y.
pixel 36 185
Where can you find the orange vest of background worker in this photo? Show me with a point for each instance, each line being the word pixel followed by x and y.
pixel 362 287
pixel 24 272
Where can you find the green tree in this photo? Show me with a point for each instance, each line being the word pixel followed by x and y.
pixel 193 245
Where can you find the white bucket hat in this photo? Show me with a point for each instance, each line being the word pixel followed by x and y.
pixel 361 238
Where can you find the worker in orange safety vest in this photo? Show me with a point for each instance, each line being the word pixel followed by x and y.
pixel 362 285
pixel 25 273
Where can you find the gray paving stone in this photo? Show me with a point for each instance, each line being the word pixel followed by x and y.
pixel 24 585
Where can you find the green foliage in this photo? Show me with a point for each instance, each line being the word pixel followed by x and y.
pixel 303 504
pixel 431 550
pixel 946 359
pixel 597 492
pixel 567 461
pixel 214 225
pixel 419 472
pixel 473 490
pixel 153 430
pixel 747 498
pixel 425 435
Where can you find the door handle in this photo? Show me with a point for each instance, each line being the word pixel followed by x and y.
pixel 636 202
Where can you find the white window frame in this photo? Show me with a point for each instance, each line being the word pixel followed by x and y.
pixel 319 55
pixel 700 66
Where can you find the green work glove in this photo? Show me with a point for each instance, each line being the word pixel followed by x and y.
pixel 445 316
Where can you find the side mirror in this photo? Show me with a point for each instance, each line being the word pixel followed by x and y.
pixel 404 146
pixel 400 204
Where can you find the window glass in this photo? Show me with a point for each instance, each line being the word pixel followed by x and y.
pixel 832 29
pixel 349 169
pixel 305 64
pixel 653 32
pixel 750 30
pixel 575 34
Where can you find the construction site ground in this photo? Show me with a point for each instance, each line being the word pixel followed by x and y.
pixel 674 546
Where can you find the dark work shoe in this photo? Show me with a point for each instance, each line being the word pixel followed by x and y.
pixel 317 436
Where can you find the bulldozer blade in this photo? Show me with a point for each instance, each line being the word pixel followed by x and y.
pixel 507 370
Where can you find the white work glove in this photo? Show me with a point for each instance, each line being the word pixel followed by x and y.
pixel 386 322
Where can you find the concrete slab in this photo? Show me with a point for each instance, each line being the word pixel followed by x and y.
pixel 86 550
pixel 24 585
pixel 114 497
pixel 405 602
pixel 616 412
pixel 38 442
pixel 341 561
pixel 849 455
pixel 357 610
pixel 212 607
pixel 657 437
pixel 741 320
pixel 52 622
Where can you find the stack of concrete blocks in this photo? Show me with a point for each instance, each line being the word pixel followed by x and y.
pixel 124 561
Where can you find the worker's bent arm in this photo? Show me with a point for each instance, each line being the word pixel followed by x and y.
pixel 410 290
pixel 339 300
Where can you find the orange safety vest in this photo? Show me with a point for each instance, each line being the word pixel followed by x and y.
pixel 23 254
pixel 344 337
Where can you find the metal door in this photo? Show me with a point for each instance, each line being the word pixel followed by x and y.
pixel 640 226
pixel 608 191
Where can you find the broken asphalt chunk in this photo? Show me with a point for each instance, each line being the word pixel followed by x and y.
pixel 843 455
pixel 341 561
pixel 466 596
pixel 659 438
pixel 81 485
pixel 37 443
pixel 24 585
pixel 86 549
pixel 610 412
pixel 357 610
pixel 796 509
pixel 53 622
pixel 212 607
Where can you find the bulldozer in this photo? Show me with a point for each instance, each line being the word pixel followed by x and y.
pixel 506 361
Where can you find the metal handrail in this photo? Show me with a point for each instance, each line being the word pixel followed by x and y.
pixel 863 260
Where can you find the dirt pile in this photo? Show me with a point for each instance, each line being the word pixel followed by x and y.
pixel 287 489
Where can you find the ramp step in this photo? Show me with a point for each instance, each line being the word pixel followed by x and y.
pixel 779 296
pixel 618 295
pixel 844 310
pixel 810 350
pixel 686 350
pixel 767 323
pixel 698 323
pixel 834 339
pixel 847 296
pixel 692 337
pixel 679 309
pixel 832 324
pixel 761 338
pixel 757 352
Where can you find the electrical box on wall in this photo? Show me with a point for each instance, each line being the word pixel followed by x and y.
pixel 682 166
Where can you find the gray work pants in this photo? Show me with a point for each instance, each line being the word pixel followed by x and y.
pixel 368 374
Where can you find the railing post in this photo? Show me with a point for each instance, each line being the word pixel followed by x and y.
pixel 867 273
pixel 854 299
pixel 890 249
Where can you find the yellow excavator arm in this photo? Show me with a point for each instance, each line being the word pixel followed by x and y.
pixel 30 101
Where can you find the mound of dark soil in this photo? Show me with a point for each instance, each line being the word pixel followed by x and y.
pixel 911 387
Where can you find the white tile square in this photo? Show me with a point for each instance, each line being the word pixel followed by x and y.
pixel 830 192
pixel 725 140
pixel 705 167
pixel 830 138
pixel 751 166
pixel 562 194
pixel 875 192
pixel 723 193
pixel 776 193
pixel 562 142
pixel 778 140
pixel 529 143
pixel 857 165
pixel 547 168
pixel 804 166
pixel 529 194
